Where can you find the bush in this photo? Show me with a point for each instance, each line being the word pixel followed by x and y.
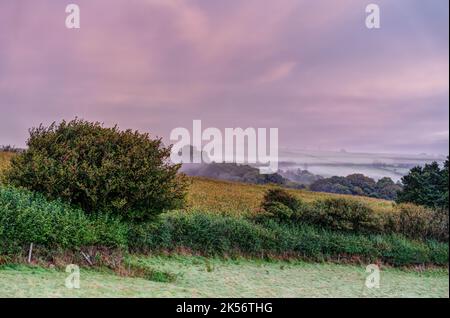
pixel 200 232
pixel 418 222
pixel 26 217
pixel 281 205
pixel 215 235
pixel 343 215
pixel 99 169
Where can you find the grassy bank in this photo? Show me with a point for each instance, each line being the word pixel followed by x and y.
pixel 201 277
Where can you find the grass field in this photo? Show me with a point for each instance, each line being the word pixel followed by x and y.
pixel 233 198
pixel 199 277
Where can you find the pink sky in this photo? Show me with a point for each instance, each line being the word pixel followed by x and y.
pixel 310 68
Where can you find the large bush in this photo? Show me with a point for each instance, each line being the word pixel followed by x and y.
pixel 343 215
pixel 27 217
pixel 281 205
pixel 418 222
pixel 100 169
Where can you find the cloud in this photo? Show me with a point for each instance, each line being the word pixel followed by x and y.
pixel 310 68
pixel 277 73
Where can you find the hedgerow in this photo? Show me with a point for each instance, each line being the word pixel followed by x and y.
pixel 348 215
pixel 27 217
pixel 223 235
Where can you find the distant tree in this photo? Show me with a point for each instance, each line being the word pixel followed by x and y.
pixel 387 189
pixel 358 184
pixel 427 185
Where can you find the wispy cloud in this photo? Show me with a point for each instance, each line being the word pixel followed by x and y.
pixel 309 67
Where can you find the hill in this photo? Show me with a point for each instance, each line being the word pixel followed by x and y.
pixel 237 198
pixel 234 198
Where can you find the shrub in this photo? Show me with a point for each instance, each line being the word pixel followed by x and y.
pixel 418 222
pixel 281 205
pixel 99 169
pixel 26 217
pixel 343 215
pixel 279 211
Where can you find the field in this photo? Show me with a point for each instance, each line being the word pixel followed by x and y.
pixel 232 198
pixel 199 277
pixel 213 277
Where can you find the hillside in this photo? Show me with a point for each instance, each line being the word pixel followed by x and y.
pixel 234 198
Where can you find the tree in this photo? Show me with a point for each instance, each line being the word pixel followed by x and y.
pixel 426 186
pixel 358 184
pixel 125 173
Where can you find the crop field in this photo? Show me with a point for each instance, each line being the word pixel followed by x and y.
pixel 233 198
pixel 200 277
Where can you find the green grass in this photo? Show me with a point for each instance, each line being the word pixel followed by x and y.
pixel 201 277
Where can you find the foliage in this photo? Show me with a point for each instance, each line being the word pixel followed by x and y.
pixel 358 184
pixel 99 169
pixel 342 214
pixel 26 217
pixel 210 234
pixel 302 177
pixel 418 222
pixel 426 186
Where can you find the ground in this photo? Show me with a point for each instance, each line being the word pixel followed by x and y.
pixel 200 277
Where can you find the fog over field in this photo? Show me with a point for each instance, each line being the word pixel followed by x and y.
pixel 333 163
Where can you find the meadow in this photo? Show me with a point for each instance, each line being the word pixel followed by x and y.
pixel 212 277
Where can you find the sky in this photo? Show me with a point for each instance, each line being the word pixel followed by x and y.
pixel 312 69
